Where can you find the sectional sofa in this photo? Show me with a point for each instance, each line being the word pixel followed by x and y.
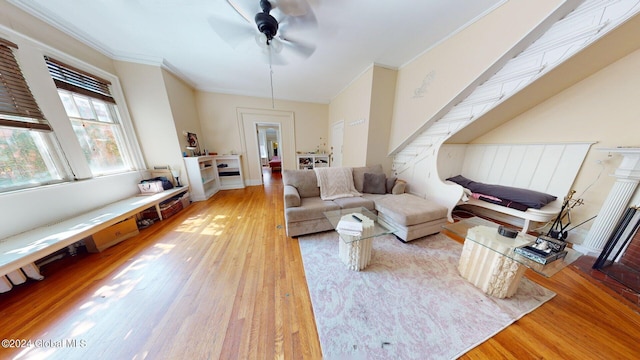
pixel 413 217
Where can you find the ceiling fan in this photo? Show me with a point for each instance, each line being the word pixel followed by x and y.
pixel 273 32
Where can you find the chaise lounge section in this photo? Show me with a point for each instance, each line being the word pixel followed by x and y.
pixel 412 216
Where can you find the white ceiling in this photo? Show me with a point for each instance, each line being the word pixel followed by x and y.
pixel 198 40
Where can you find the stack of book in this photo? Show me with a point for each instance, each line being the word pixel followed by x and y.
pixel 350 225
pixel 354 224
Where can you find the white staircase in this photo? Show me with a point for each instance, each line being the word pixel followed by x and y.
pixel 416 162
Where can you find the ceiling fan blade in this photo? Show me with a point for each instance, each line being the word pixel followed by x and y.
pixel 232 32
pixel 296 23
pixel 241 11
pixel 293 7
pixel 300 48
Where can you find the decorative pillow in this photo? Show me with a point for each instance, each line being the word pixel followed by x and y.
pixel 390 182
pixel 374 183
pixel 399 187
pixel 358 174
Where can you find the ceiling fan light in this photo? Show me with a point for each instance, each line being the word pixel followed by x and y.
pixel 262 40
pixel 276 45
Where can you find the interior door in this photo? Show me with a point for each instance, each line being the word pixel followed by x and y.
pixel 337 136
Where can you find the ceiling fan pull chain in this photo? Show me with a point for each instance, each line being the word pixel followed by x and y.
pixel 273 106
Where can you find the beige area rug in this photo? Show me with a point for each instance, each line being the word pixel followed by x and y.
pixel 409 303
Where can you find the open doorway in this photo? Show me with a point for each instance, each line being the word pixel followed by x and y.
pixel 269 139
pixel 248 120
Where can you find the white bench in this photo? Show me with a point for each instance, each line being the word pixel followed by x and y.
pixel 21 250
pixel 548 168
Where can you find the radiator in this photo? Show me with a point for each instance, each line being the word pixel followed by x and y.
pixel 19 276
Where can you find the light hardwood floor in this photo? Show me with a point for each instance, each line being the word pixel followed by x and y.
pixel 221 280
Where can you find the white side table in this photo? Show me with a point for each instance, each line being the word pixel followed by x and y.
pixel 355 250
pixel 483 263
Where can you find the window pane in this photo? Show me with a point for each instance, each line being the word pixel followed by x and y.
pixel 86 112
pixel 101 144
pixel 101 111
pixel 97 128
pixel 24 159
pixel 69 105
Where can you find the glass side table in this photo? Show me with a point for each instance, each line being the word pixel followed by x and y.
pixel 490 262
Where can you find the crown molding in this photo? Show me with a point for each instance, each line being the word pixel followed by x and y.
pixel 39 13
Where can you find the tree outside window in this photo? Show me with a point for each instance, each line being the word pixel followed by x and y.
pixel 97 127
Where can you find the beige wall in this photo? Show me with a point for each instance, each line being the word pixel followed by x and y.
pixel 353 106
pixel 427 86
pixel 600 108
pixel 382 97
pixel 147 96
pixel 218 115
pixel 182 100
pixel 366 107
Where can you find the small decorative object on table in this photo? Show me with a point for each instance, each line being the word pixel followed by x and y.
pixel 505 231
pixel 545 250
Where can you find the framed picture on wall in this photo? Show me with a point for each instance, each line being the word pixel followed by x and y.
pixel 192 140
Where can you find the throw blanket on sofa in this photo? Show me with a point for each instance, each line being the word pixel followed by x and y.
pixel 335 182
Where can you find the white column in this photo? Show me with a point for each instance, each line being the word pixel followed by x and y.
pixel 628 177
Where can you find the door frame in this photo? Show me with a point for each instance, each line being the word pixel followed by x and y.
pixel 248 119
pixel 336 125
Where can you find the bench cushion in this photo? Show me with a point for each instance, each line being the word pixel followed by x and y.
pixel 406 209
pixel 527 197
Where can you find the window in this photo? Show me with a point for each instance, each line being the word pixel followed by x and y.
pixel 28 149
pixel 98 130
pixel 94 116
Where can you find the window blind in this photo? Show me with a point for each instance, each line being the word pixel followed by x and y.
pixel 75 80
pixel 18 107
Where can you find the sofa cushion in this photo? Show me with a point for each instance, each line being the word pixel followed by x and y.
pixel 374 197
pixel 310 208
pixel 303 180
pixel 374 183
pixel 358 174
pixel 406 209
pixel 355 202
